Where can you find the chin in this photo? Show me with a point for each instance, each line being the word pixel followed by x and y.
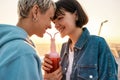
pixel 62 36
pixel 40 35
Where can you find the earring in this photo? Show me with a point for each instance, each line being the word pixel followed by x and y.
pixel 35 19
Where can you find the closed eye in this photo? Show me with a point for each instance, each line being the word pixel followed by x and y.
pixel 59 18
pixel 51 18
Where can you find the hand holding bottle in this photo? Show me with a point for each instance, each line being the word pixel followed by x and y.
pixel 47 63
pixel 56 75
pixel 47 66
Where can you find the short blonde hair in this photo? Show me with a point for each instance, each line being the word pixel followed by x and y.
pixel 24 6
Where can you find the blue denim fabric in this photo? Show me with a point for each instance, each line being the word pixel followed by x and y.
pixel 93 59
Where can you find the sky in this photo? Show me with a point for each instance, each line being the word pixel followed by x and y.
pixel 97 11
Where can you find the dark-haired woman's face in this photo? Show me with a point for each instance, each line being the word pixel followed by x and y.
pixel 65 24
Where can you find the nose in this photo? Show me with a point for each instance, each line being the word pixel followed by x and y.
pixel 49 26
pixel 57 25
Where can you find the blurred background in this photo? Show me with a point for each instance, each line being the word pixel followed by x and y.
pixel 103 21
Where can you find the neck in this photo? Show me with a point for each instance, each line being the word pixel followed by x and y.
pixel 74 36
pixel 25 24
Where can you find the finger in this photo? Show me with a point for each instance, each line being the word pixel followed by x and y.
pixel 59 77
pixel 50 76
pixel 47 65
pixel 45 68
pixel 46 55
pixel 47 60
pixel 59 73
pixel 58 70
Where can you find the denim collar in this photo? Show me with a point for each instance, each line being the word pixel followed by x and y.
pixel 79 44
pixel 81 40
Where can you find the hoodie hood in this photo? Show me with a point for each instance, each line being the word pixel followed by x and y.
pixel 9 51
pixel 9 33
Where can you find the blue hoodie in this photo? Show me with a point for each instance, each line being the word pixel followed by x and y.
pixel 18 58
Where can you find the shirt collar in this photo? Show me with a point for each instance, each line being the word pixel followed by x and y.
pixel 81 40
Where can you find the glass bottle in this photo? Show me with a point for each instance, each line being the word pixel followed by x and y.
pixel 53 55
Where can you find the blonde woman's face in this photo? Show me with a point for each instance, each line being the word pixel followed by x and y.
pixel 44 21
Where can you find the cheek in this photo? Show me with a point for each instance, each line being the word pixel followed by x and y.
pixel 47 21
pixel 40 25
pixel 56 26
pixel 66 22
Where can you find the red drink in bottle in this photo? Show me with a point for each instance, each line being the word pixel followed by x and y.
pixel 53 55
pixel 55 61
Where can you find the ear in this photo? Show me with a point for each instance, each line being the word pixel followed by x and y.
pixel 76 15
pixel 35 11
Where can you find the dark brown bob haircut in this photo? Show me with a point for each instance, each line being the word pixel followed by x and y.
pixel 71 6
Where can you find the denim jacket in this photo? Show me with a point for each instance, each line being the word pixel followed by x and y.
pixel 93 59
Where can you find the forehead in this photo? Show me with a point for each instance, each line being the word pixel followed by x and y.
pixel 51 11
pixel 59 12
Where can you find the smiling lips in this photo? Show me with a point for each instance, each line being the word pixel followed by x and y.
pixel 61 29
